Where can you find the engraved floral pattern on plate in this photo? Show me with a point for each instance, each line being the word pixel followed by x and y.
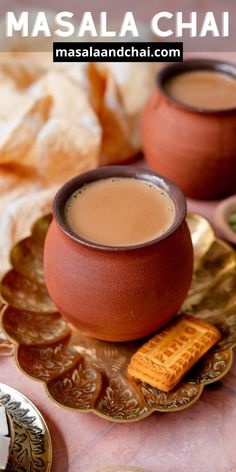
pixel 85 374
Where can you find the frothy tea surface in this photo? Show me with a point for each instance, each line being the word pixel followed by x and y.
pixel 208 90
pixel 119 211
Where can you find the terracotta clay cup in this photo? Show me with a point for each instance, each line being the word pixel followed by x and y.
pixel 118 293
pixel 193 147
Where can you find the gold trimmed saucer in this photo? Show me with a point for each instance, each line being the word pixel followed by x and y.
pixel 84 374
pixel 31 448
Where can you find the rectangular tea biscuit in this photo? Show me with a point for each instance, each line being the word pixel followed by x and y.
pixel 168 356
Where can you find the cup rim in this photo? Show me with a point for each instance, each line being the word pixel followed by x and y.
pixel 73 184
pixel 195 64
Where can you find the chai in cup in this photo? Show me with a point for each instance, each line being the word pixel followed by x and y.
pixel 119 211
pixel 188 127
pixel 118 256
pixel 206 89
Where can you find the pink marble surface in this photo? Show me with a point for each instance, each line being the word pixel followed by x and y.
pixel 200 438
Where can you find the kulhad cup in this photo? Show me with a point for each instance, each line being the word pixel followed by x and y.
pixel 118 293
pixel 194 147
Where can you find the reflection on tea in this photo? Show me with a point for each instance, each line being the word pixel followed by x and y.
pixel 119 211
pixel 209 90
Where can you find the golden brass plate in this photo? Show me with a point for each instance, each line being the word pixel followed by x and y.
pixel 31 448
pixel 86 375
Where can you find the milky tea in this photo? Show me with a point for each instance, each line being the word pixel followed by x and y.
pixel 119 211
pixel 205 89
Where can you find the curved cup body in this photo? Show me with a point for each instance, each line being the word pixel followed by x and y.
pixel 194 148
pixel 118 294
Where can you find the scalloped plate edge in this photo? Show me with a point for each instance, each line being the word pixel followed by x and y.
pixel 150 410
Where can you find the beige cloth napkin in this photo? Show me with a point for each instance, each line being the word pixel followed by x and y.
pixel 56 121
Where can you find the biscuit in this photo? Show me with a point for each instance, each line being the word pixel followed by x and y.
pixel 170 354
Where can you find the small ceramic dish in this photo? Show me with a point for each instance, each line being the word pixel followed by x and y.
pixel 222 215
pixel 9 436
pixel 31 447
pixel 11 429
